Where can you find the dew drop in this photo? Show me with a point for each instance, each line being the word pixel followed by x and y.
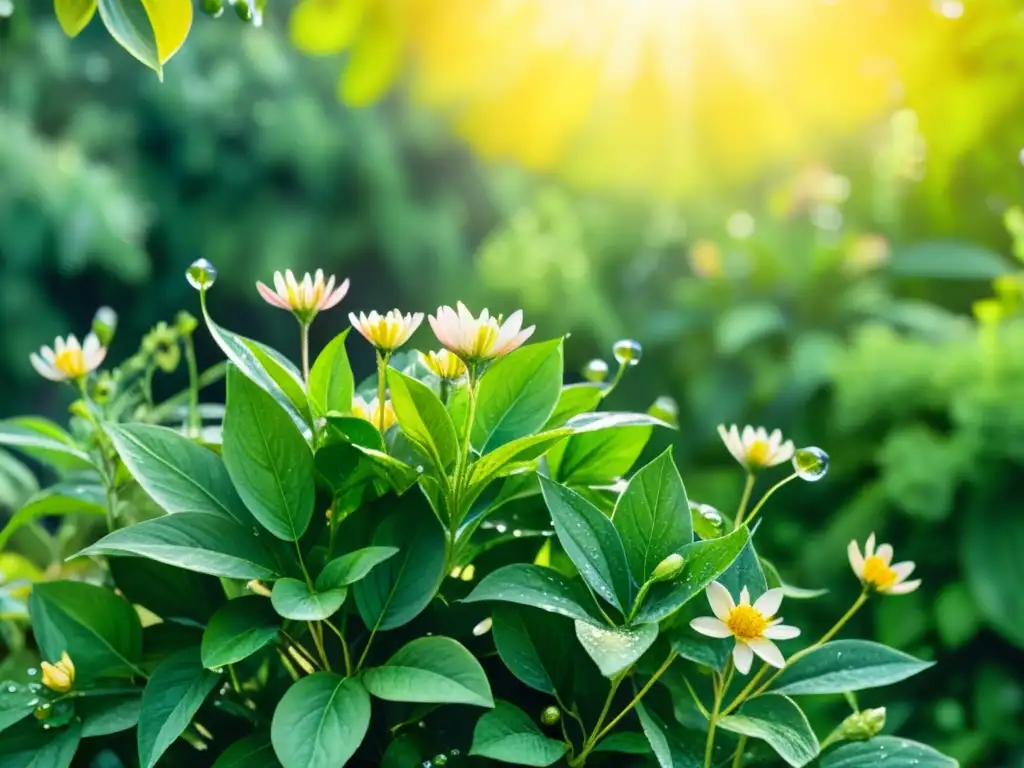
pixel 628 352
pixel 811 464
pixel 455 752
pixel 440 759
pixel 201 274
pixel 595 371
pixel 12 688
pixel 500 527
pixel 32 672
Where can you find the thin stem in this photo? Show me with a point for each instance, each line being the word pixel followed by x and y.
pixel 744 500
pixel 615 683
pixel 771 490
pixel 382 377
pixel 709 745
pixel 845 618
pixel 304 347
pixel 318 640
pixel 640 599
pixel 458 487
pixel 344 647
pixel 300 649
pixel 288 666
pixel 614 382
pixel 194 422
pixel 234 679
pixel 741 746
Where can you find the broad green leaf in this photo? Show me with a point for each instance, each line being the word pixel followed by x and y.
pixel 174 693
pixel 614 649
pixel 104 715
pixel 402 752
pixel 517 394
pixel 847 665
pixel 509 735
pixel 268 459
pixel 777 720
pixel 703 562
pixel 294 599
pixel 45 441
pixel 320 722
pixel 652 516
pixel 352 567
pixel 285 375
pixel 74 15
pixel 592 543
pixel 171 21
pixel 605 420
pixel 29 746
pixel 196 542
pixel 669 750
pixel 702 650
pixel 128 24
pixel 254 751
pixel 524 449
pixel 431 670
pixel 16 704
pixel 60 499
pixel 657 738
pixel 180 474
pixel 238 630
pixel 100 630
pixel 948 260
pixel 397 474
pixel 536 646
pixel 173 594
pixel 535 586
pixel 598 458
pixel 331 385
pixel 991 548
pixel 573 400
pixel 397 590
pixel 626 742
pixel 424 419
pixel 745 571
pixel 887 751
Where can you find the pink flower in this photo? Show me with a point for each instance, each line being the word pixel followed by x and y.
pixel 304 298
pixel 477 339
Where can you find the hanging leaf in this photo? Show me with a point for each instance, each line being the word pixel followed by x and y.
pixel 847 665
pixel 434 670
pixel 889 751
pixel 74 15
pixel 539 587
pixel 238 630
pixel 507 734
pixel 536 646
pixel 150 30
pixel 320 722
pixel 777 720
pixel 614 649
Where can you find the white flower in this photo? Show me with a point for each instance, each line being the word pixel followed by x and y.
pixel 874 568
pixel 753 626
pixel 756 449
pixel 386 332
pixel 67 360
pixel 304 298
pixel 476 339
pixel 444 364
pixel 370 411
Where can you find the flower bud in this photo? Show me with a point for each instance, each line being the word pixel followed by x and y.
pixel 863 725
pixel 257 587
pixel 104 323
pixel 627 352
pixel 550 715
pixel 243 10
pixel 668 568
pixel 212 8
pixel 59 677
pixel 185 322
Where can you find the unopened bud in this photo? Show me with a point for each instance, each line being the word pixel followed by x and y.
pixel 669 568
pixel 185 322
pixel 863 725
pixel 212 8
pixel 550 715
pixel 60 676
pixel 256 587
pixel 104 323
pixel 243 10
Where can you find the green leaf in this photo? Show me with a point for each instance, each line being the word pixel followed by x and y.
pixel 16 705
pixel 777 720
pixel 948 260
pixel 652 516
pixel 397 474
pixel 536 646
pixel 395 592
pixel 523 449
pixel 74 15
pixel 431 670
pixel 105 715
pixel 60 499
pixel 173 594
pixel 195 542
pixel 626 742
pixel 268 459
pixel 424 419
pixel 295 600
pixel 285 375
pixel 669 750
pixel 991 545
pixel 703 562
pixel 605 420
pixel 352 567
pixel 254 751
pixel 320 722
pixel 745 572
pixel 33 747
pixel 746 324
pixel 890 751
pixel 598 458
pixel 331 385
pixel 45 441
pixel 174 693
pixel 127 23
pixel 573 400
pixel 535 586
pixel 592 543
pixel 238 630
pixel 180 474
pixel 847 665
pixel 517 394
pixel 614 649
pixel 100 630
pixel 507 734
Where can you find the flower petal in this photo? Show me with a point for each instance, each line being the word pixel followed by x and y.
pixel 768 651
pixel 856 559
pixel 768 603
pixel 44 369
pixel 781 632
pixel 885 553
pixel 270 297
pixel 744 596
pixel 784 453
pixel 742 657
pixel 869 546
pixel 720 599
pixel 903 570
pixel 903 588
pixel 332 299
pixel 711 627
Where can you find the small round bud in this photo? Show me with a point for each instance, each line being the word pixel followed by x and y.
pixel 595 371
pixel 669 568
pixel 666 409
pixel 243 10
pixel 811 464
pixel 550 715
pixel 201 274
pixel 863 725
pixel 104 323
pixel 185 323
pixel 628 352
pixel 213 8
pixel 440 759
pixel 483 627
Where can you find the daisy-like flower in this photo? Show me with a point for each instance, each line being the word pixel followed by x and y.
pixel 876 570
pixel 59 677
pixel 755 448
pixel 477 339
pixel 370 411
pixel 304 298
pixel 444 364
pixel 68 360
pixel 753 626
pixel 386 332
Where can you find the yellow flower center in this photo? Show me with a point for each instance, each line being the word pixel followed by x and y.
pixel 878 574
pixel 746 622
pixel 71 362
pixel 486 335
pixel 758 453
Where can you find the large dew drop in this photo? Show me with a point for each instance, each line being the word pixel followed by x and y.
pixel 811 464
pixel 201 274
pixel 595 371
pixel 628 352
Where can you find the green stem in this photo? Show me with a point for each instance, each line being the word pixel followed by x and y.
pixel 741 746
pixel 709 745
pixel 344 648
pixel 382 378
pixel 211 375
pixel 300 649
pixel 771 490
pixel 640 599
pixel 194 421
pixel 615 683
pixel 369 642
pixel 614 382
pixel 234 679
pixel 458 487
pixel 744 500
pixel 304 348
pixel 318 640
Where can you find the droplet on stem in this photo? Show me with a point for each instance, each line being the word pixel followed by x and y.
pixel 201 274
pixel 811 464
pixel 628 352
pixel 595 371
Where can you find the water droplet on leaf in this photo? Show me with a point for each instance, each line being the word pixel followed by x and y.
pixel 595 371
pixel 811 464
pixel 201 274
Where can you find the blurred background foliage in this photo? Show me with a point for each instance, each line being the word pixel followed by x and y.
pixel 821 236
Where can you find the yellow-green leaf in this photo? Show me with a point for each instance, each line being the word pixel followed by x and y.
pixel 150 30
pixel 171 20
pixel 375 59
pixel 326 26
pixel 74 15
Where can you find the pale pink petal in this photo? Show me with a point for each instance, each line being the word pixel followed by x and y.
pixel 856 559
pixel 47 354
pixel 509 329
pixel 516 342
pixel 742 657
pixel 781 632
pixel 768 603
pixel 869 547
pixel 784 453
pixel 768 651
pixel 903 570
pixel 270 297
pixel 744 596
pixel 885 553
pixel 291 282
pixel 332 299
pixel 775 439
pixel 731 439
pixel 720 600
pixel 710 627
pixel 44 369
pixel 280 285
pixel 96 359
pixel 904 588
